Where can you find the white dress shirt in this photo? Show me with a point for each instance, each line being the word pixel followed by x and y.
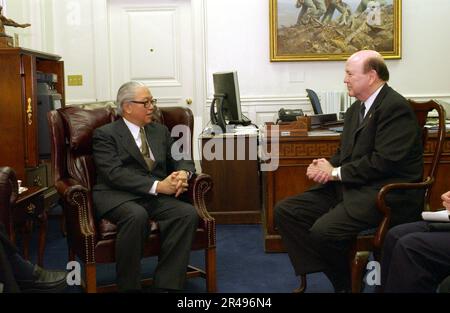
pixel 134 130
pixel 368 103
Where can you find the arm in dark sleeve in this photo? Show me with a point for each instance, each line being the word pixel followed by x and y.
pixel 111 169
pixel 335 160
pixel 396 133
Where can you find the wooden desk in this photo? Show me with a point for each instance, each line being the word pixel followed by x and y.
pixel 29 207
pixel 236 194
pixel 296 153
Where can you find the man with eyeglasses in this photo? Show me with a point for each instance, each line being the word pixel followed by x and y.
pixel 135 182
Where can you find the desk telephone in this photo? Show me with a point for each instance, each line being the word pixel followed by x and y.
pixel 288 115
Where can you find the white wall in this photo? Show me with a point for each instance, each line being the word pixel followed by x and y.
pixel 237 37
pixel 74 40
pixel 73 30
pixel 25 11
pixel 425 67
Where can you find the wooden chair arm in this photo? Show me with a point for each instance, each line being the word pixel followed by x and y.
pixel 199 186
pixel 386 210
pixel 79 215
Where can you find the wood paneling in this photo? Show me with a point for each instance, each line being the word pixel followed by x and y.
pixel 18 104
pixel 236 194
pixel 442 182
pixel 12 116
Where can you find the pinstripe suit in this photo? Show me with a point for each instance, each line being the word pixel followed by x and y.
pixel 122 196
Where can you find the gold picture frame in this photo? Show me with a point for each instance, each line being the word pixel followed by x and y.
pixel 300 31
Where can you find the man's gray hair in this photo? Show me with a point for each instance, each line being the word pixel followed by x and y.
pixel 126 93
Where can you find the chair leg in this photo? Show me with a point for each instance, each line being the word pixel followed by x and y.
pixel 62 225
pixel 91 278
pixel 210 269
pixel 43 221
pixel 302 287
pixel 27 230
pixel 359 263
pixel 71 255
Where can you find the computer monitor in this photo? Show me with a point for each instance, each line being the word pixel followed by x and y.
pixel 226 106
pixel 315 102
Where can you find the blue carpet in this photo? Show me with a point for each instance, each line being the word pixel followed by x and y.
pixel 242 264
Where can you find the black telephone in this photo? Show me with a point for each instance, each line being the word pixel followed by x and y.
pixel 289 115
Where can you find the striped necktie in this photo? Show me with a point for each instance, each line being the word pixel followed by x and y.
pixel 145 150
pixel 362 112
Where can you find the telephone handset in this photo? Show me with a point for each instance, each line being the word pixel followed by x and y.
pixel 216 112
pixel 289 115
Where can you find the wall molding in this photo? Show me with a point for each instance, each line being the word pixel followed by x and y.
pixel 101 43
pixel 428 97
pixel 268 100
pixel 167 100
pixel 162 100
pixel 271 100
pixel 82 101
pixel 263 108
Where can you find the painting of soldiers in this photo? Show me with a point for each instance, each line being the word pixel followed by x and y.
pixel 333 29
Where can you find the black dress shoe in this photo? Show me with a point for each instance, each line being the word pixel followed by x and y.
pixel 341 281
pixel 45 281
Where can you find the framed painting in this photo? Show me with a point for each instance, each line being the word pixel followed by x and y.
pixel 327 30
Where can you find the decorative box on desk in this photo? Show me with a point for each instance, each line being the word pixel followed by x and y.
pixel 300 127
pixel 294 154
pixel 231 161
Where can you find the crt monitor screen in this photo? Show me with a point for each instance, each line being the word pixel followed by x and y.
pixel 226 83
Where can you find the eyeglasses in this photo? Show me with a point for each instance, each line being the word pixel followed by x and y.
pixel 146 103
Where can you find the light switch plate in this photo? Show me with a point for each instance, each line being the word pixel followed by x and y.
pixel 75 80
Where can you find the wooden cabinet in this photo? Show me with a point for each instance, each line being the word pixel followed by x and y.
pixel 296 153
pixel 232 162
pixel 19 122
pixel 442 179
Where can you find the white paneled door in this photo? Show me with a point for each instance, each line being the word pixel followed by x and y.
pixel 152 42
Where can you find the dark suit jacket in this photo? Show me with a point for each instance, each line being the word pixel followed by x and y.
pixel 6 272
pixel 385 148
pixel 122 174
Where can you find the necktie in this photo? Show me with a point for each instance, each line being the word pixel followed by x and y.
pixel 362 112
pixel 144 149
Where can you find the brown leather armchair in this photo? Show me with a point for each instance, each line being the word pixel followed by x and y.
pixel 93 241
pixel 8 196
